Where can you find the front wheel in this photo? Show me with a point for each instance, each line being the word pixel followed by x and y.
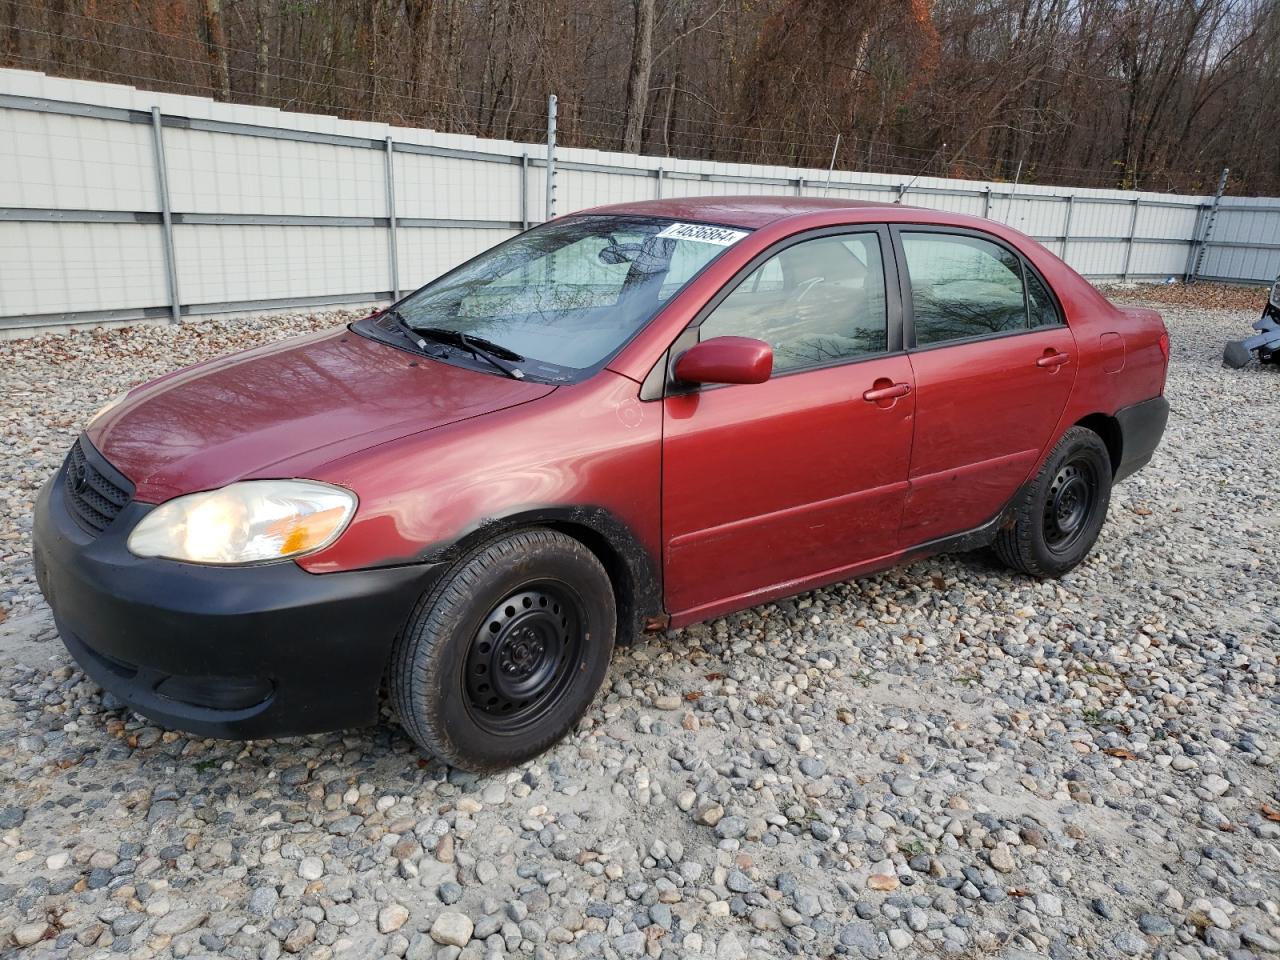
pixel 1059 515
pixel 505 654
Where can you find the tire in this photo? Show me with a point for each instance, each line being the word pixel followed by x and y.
pixel 1058 516
pixel 1235 356
pixel 503 656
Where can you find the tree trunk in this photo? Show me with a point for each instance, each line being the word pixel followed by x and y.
pixel 419 15
pixel 12 36
pixel 638 76
pixel 669 113
pixel 262 53
pixel 216 43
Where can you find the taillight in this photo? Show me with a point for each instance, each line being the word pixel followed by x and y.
pixel 1164 346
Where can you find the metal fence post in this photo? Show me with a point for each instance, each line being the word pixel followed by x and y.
pixel 1208 227
pixel 1066 229
pixel 524 191
pixel 799 186
pixel 826 187
pixel 1133 231
pixel 166 216
pixel 1193 244
pixel 551 156
pixel 391 219
pixel 657 194
pixel 986 203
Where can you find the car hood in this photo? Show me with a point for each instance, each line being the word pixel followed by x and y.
pixel 286 408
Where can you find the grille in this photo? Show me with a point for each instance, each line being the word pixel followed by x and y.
pixel 94 496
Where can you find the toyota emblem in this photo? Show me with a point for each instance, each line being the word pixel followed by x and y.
pixel 79 479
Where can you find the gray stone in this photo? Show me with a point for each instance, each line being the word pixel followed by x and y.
pixel 179 921
pixel 453 928
pixel 1154 925
pixel 738 882
pixel 262 901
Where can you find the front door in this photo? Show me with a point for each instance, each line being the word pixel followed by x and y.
pixel 767 487
pixel 993 364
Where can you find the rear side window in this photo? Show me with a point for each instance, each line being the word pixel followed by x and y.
pixel 963 287
pixel 816 302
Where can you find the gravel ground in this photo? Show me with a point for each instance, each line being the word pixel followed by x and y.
pixel 946 759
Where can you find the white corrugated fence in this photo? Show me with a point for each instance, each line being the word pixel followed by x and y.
pixel 120 204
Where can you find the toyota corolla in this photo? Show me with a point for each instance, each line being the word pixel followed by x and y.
pixel 635 417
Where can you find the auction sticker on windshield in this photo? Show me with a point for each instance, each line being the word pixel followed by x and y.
pixel 703 233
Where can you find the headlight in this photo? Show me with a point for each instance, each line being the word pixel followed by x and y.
pixel 249 522
pixel 108 406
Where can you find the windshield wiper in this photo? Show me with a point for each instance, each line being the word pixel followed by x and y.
pixel 405 327
pixel 492 353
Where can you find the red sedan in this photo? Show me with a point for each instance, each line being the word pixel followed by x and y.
pixel 635 417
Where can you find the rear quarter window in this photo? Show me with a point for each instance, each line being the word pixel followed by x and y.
pixel 1044 310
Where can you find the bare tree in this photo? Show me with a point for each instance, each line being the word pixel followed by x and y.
pixel 1154 93
pixel 638 75
pixel 216 43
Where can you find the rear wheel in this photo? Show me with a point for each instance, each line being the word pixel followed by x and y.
pixel 506 653
pixel 1058 517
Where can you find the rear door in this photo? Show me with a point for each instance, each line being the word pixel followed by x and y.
pixel 768 485
pixel 993 363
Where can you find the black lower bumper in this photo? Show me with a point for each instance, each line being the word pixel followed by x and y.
pixel 238 652
pixel 1266 342
pixel 1141 428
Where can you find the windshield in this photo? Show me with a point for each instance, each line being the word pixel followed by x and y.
pixel 565 296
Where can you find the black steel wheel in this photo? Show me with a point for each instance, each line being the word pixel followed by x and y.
pixel 522 660
pixel 506 652
pixel 1069 504
pixel 1056 518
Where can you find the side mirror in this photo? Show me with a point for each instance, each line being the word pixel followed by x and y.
pixel 726 360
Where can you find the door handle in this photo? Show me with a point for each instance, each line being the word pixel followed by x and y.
pixel 1053 358
pixel 890 392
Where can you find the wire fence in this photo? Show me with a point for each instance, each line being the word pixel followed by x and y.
pixel 126 205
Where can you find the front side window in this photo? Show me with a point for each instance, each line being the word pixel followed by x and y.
pixel 962 287
pixel 565 296
pixel 816 302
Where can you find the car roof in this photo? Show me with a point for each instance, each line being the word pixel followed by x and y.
pixel 758 211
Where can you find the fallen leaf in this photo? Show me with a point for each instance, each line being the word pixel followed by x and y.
pixel 1142 511
pixel 1271 813
pixel 939 583
pixel 693 695
pixel 715 676
pixel 1227 827
pixel 1122 753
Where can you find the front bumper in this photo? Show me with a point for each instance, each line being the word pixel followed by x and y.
pixel 1266 343
pixel 237 652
